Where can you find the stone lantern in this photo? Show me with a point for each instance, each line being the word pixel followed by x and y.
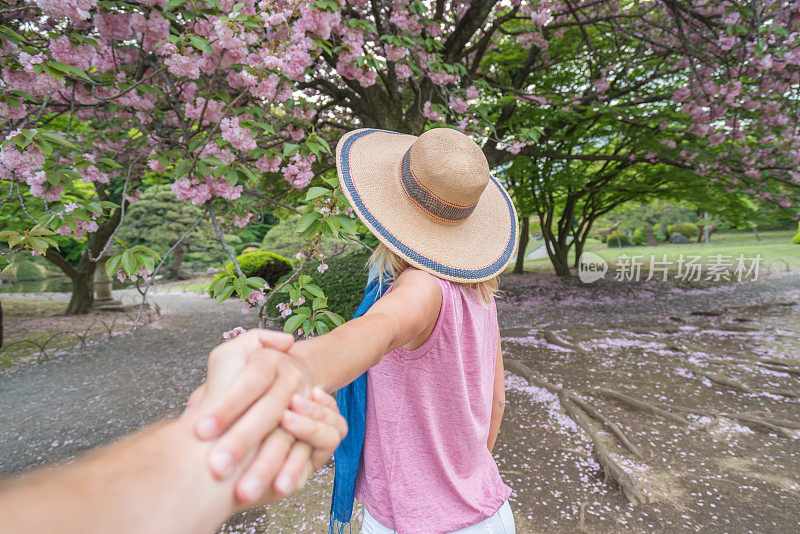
pixel 102 284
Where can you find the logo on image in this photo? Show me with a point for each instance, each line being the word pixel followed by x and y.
pixel 591 268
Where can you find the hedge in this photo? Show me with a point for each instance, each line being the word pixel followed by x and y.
pixel 687 229
pixel 343 283
pixel 268 265
pixel 617 239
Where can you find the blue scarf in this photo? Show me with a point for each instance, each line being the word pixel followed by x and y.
pixel 352 402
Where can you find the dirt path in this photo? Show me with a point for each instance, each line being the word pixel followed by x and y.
pixel 723 477
pixel 641 341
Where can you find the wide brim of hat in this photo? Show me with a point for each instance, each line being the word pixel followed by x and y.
pixel 475 249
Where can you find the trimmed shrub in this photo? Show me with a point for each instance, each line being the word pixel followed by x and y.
pixel 28 270
pixel 686 229
pixel 796 238
pixel 639 237
pixel 618 239
pixel 343 283
pixel 268 265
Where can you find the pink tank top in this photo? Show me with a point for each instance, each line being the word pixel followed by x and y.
pixel 425 467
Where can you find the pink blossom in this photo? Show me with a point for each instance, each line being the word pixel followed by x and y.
pixel 75 10
pixel 458 105
pixel 268 164
pixel 184 65
pixel 113 26
pixel 429 113
pixel 243 220
pixel 298 172
pixel 213 110
pixel 322 267
pixel 80 56
pixel 230 334
pixel 403 71
pixel 240 137
pixel 394 53
pixel 155 165
pixel 472 92
pixel 516 147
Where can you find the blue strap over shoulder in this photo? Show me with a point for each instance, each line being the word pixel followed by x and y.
pixel 352 402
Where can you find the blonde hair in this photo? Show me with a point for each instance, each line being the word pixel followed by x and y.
pixel 388 263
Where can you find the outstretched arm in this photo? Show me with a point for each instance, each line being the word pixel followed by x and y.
pixel 157 480
pixel 405 315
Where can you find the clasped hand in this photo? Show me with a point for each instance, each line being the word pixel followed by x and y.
pixel 271 427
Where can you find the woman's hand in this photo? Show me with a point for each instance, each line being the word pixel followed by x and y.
pixel 250 383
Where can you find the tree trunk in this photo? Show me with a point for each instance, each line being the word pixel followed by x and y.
pixel 524 235
pixel 174 267
pixel 82 276
pixel 651 236
pixel 558 252
pixel 82 298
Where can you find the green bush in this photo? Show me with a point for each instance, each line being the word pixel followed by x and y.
pixel 796 238
pixel 686 229
pixel 618 239
pixel 659 231
pixel 268 265
pixel 343 283
pixel 28 270
pixel 639 237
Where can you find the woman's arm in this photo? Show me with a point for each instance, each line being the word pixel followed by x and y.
pixel 498 399
pixel 405 315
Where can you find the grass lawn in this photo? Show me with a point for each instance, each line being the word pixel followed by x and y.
pixel 774 247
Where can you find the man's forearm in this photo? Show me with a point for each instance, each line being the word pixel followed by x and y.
pixel 156 481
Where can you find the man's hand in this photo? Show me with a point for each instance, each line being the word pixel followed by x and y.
pixel 250 383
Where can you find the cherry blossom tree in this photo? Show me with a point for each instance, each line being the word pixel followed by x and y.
pixel 97 95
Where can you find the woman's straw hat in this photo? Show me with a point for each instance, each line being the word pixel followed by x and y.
pixel 431 200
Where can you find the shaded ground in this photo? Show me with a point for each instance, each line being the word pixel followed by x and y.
pixel 726 477
pixel 642 341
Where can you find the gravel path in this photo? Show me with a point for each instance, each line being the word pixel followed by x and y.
pixel 59 408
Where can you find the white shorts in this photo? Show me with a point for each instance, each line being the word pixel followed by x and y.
pixel 502 522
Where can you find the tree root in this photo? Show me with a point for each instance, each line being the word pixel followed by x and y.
pixel 580 411
pixel 744 388
pixel 610 467
pixel 645 406
pixel 553 339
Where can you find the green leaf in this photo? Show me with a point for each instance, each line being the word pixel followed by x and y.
pixel 129 262
pixel 240 285
pixel 256 282
pixel 58 139
pixel 347 224
pixel 290 149
pixel 322 142
pixel 336 319
pixel 225 294
pixel 147 250
pixel 201 44
pixel 319 302
pixel 110 162
pixel 316 192
pixel 306 220
pixel 332 180
pixel 112 265
pixel 315 290
pixel 293 322
pixel 321 327
pixel 305 311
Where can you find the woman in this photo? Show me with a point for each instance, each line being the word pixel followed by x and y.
pixel 429 409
